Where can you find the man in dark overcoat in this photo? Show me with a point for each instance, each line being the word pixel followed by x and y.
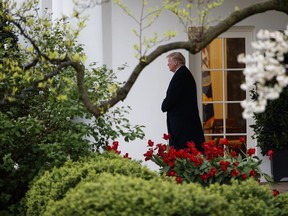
pixel 183 121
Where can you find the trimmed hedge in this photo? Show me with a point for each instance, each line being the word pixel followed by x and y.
pixel 122 195
pixel 247 198
pixel 53 185
pixel 281 204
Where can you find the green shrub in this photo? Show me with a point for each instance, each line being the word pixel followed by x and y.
pixel 41 114
pixel 122 195
pixel 281 204
pixel 53 185
pixel 271 126
pixel 247 198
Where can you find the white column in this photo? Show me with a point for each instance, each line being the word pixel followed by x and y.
pixel 91 36
pixel 57 8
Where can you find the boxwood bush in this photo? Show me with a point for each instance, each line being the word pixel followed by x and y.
pixel 53 185
pixel 281 204
pixel 247 198
pixel 122 195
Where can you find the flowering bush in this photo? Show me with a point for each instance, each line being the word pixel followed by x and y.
pixel 114 148
pixel 219 163
pixel 265 70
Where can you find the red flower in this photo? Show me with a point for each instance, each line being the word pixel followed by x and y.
pixel 234 172
pixel 198 162
pixel 179 180
pixel 224 141
pixel 114 147
pixel 150 143
pixel 212 143
pixel 253 173
pixel 224 165
pixel 192 148
pixel 204 176
pixel 233 154
pixel 236 163
pixel 269 154
pixel 212 172
pixel 171 173
pixel 244 176
pixel 251 151
pixel 169 161
pixel 191 144
pixel 148 155
pixel 275 192
pixel 224 168
pixel 127 156
pixel 166 136
pixel 161 147
pixel 242 139
pixel 212 151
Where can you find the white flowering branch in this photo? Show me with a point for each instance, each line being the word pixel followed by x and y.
pixel 265 71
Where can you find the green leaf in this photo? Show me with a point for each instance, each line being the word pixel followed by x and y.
pixel 268 178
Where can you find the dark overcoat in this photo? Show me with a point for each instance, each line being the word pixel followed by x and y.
pixel 183 119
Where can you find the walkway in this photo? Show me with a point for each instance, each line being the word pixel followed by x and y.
pixel 282 187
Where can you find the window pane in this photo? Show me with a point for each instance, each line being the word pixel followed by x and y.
pixel 212 55
pixel 235 125
pixel 210 113
pixel 212 86
pixel 233 90
pixel 234 47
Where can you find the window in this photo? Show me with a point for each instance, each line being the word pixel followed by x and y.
pixel 219 76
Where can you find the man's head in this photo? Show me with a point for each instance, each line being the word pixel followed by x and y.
pixel 175 60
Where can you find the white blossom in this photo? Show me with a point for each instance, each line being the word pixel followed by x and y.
pixel 16 166
pixel 264 70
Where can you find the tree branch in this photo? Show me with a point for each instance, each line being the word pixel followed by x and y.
pixel 194 45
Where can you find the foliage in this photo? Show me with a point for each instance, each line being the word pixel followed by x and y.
pixel 51 186
pixel 218 164
pixel 42 45
pixel 281 205
pixel 124 195
pixel 270 127
pixel 248 198
pixel 42 121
